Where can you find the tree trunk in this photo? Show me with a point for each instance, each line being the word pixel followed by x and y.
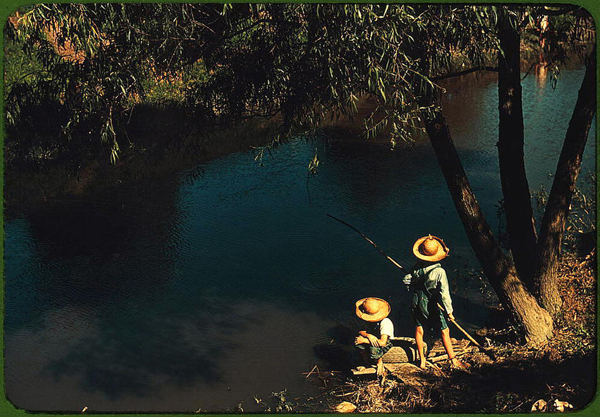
pixel 557 208
pixel 535 321
pixel 515 188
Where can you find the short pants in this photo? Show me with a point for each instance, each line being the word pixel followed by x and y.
pixel 426 313
pixel 375 352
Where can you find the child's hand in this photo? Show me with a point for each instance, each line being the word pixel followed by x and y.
pixel 373 340
pixel 359 340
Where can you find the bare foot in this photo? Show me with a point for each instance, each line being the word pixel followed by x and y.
pixel 456 364
pixel 423 365
pixel 380 368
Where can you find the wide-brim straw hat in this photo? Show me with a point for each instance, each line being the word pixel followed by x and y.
pixel 372 309
pixel 430 248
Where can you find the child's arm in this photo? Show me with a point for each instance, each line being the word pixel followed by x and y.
pixel 365 337
pixel 383 340
pixel 444 289
pixel 411 278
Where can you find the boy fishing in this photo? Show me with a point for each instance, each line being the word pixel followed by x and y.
pixel 376 330
pixel 429 285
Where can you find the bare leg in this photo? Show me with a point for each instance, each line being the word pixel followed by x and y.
pixel 364 355
pixel 421 347
pixel 449 350
pixel 380 369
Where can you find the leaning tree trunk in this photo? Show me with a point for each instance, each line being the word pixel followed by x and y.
pixel 557 208
pixel 535 321
pixel 515 188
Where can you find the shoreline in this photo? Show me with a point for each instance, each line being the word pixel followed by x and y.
pixel 166 143
pixel 562 374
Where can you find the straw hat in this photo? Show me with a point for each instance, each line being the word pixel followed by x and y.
pixel 430 248
pixel 372 309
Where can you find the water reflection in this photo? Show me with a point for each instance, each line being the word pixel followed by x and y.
pixel 541 73
pixel 204 290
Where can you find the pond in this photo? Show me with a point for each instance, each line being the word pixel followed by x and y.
pixel 207 289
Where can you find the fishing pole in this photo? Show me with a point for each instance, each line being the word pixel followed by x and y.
pixel 370 241
pixel 453 321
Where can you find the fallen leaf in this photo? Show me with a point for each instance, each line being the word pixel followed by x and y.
pixel 540 406
pixel 345 407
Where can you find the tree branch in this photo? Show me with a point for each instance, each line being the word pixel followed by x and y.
pixel 465 72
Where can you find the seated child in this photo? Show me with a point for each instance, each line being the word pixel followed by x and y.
pixel 376 330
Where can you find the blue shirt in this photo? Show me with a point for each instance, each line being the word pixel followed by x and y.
pixel 431 278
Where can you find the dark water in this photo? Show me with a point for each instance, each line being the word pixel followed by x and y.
pixel 203 291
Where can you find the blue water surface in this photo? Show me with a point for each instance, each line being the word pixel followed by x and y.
pixel 205 290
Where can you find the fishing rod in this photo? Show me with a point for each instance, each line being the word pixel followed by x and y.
pixel 453 321
pixel 371 242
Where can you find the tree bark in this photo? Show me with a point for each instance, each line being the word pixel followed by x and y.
pixel 557 208
pixel 515 188
pixel 536 322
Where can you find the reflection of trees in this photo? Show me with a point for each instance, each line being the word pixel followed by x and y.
pixel 112 257
pixel 365 186
pixel 466 100
pixel 162 299
pixel 541 73
pixel 99 247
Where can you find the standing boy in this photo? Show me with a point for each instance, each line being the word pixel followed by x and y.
pixel 376 330
pixel 429 285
